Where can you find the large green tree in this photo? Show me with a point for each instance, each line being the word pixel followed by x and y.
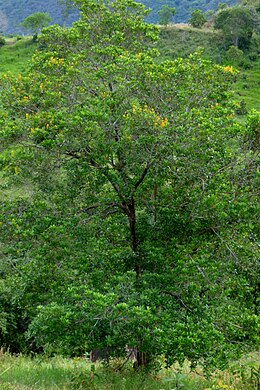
pixel 197 18
pixel 131 232
pixel 236 23
pixel 166 14
pixel 34 23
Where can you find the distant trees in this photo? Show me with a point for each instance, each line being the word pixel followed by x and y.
pixel 35 22
pixel 67 6
pixel 3 22
pixel 166 15
pixel 236 23
pixel 2 41
pixel 197 18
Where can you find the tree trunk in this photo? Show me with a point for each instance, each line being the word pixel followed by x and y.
pixel 141 357
pixel 131 215
pixel 236 39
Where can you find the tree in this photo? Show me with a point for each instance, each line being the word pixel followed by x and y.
pixel 127 235
pixel 3 22
pixel 67 7
pixel 236 24
pixel 197 18
pixel 35 22
pixel 166 14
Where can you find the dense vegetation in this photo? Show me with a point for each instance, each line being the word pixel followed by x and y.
pixel 133 214
pixel 13 11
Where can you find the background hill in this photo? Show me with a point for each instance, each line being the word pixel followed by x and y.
pixel 13 11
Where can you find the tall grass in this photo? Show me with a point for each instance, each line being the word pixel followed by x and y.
pixel 247 86
pixel 15 55
pixel 181 40
pixel 41 373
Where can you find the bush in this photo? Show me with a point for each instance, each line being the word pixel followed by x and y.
pixel 2 41
pixel 197 19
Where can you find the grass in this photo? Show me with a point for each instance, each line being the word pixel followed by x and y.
pixel 15 55
pixel 41 373
pixel 181 40
pixel 247 87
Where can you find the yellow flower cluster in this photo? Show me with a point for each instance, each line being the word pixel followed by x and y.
pixel 157 120
pixel 220 385
pixel 229 69
pixel 56 61
pixel 163 122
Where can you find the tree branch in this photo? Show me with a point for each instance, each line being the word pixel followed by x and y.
pixel 142 177
pixel 175 295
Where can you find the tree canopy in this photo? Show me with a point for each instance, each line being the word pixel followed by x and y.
pixel 236 23
pixel 166 14
pixel 35 22
pixel 197 18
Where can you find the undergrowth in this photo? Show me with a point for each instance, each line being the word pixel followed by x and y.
pixel 42 373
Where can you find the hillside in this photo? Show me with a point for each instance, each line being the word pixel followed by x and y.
pixel 175 41
pixel 13 11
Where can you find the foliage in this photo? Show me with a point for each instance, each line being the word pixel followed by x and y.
pixel 2 41
pixel 236 24
pixel 141 228
pixel 35 22
pixel 13 12
pixel 166 14
pixel 197 19
pixel 16 56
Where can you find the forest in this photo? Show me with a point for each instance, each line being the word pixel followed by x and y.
pixel 13 11
pixel 129 200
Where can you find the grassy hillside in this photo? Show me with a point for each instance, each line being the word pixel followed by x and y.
pixel 181 40
pixel 248 85
pixel 175 41
pixel 15 55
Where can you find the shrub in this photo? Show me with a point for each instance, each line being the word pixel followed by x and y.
pixel 197 18
pixel 2 41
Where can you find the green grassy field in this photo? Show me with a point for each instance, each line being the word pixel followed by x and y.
pixel 15 55
pixel 41 373
pixel 180 40
pixel 247 86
